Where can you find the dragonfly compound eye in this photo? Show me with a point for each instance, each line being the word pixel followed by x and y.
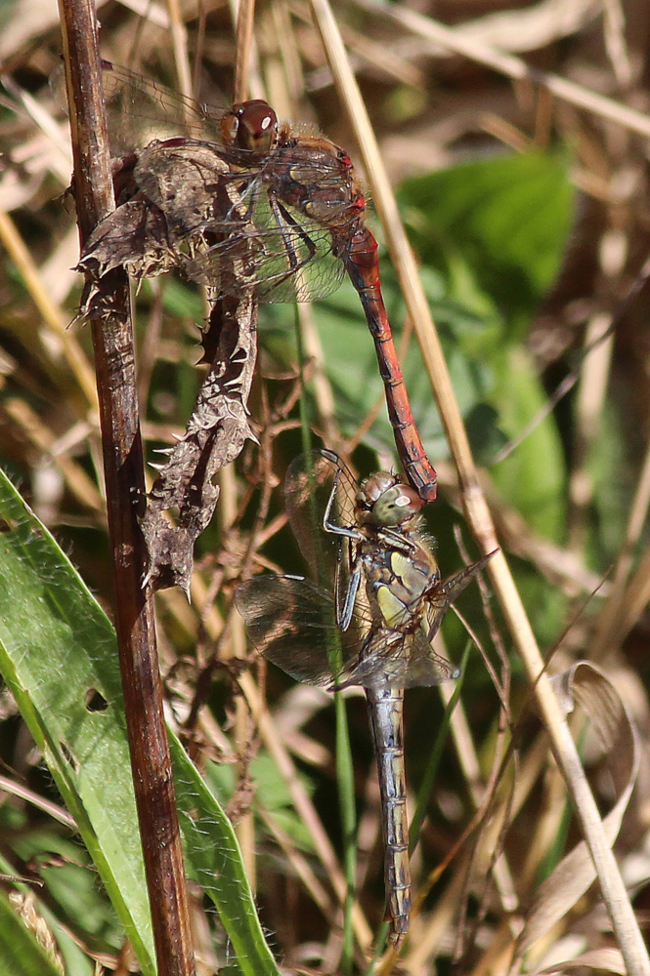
pixel 251 125
pixel 373 488
pixel 396 505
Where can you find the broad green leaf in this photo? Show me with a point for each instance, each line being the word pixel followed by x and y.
pixel 57 649
pixel 506 218
pixel 533 477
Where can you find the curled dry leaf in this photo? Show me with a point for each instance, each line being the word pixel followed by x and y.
pixel 586 685
pixel 168 195
pixel 605 960
pixel 214 436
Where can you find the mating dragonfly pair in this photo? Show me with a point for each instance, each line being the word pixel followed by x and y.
pixel 238 197
pixel 375 630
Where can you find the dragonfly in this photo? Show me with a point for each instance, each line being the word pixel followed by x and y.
pixel 239 188
pixel 371 625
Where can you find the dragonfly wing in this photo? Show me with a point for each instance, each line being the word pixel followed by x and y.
pixel 380 660
pixel 300 266
pixel 423 666
pixel 313 203
pixel 140 110
pixel 312 480
pixel 400 660
pixel 293 257
pixel 292 623
pixel 447 590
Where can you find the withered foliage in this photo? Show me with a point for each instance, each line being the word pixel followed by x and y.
pixel 495 827
pixel 171 199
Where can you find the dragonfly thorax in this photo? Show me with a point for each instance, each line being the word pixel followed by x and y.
pixel 251 125
pixel 398 580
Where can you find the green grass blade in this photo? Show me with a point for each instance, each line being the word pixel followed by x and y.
pixel 344 764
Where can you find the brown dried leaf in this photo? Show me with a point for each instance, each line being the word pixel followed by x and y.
pixel 605 960
pixel 215 435
pixel 585 684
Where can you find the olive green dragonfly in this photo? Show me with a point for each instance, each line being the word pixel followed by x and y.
pixel 387 604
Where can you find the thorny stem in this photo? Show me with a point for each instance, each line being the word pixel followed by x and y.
pixel 124 473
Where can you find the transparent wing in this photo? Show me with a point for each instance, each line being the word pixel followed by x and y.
pixel 293 259
pixel 292 622
pixel 140 110
pixel 315 482
pixel 447 590
pixel 402 660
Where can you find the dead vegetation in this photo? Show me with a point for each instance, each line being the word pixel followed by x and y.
pixel 448 86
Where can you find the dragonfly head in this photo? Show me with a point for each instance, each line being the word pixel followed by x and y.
pixel 251 125
pixel 383 500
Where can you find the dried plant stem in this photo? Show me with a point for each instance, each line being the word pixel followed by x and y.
pixel 42 438
pixel 470 766
pixel 245 10
pixel 299 863
pixel 179 44
pixel 51 313
pixel 475 506
pixel 124 473
pixel 51 809
pixel 513 67
pixel 637 595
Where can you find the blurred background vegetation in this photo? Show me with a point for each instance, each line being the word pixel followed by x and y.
pixel 529 217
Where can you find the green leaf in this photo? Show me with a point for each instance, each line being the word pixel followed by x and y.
pixel 20 953
pixel 533 477
pixel 506 219
pixel 57 649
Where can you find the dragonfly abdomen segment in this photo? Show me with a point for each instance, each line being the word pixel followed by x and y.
pixel 362 265
pixel 386 709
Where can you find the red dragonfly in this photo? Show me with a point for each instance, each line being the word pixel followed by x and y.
pixel 376 631
pixel 283 199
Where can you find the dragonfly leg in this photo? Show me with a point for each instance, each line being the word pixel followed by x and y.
pixel 334 527
pixel 345 608
pixel 289 228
